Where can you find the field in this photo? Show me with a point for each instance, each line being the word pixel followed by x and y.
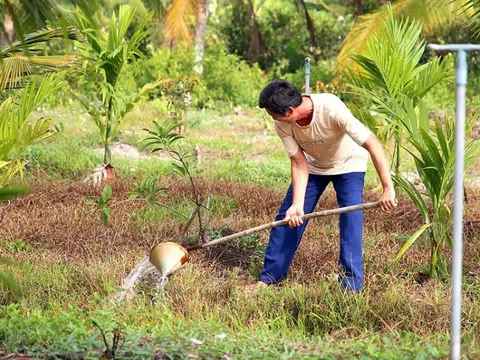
pixel 69 264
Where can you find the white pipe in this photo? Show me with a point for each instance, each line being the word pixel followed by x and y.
pixel 461 81
pixel 460 98
pixel 307 75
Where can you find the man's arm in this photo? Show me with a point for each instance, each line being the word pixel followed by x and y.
pixel 374 147
pixel 299 168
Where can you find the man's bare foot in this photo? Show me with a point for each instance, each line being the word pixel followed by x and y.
pixel 252 289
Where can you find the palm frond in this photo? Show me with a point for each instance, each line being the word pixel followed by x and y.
pixel 430 74
pixel 94 38
pixel 13 70
pixel 111 52
pixel 25 15
pixel 470 7
pixel 36 13
pixel 35 93
pixel 375 123
pixel 31 41
pixel 179 21
pixel 410 242
pixel 432 14
pixel 17 130
pixel 389 67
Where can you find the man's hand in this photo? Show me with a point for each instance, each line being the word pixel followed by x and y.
pixel 293 215
pixel 388 201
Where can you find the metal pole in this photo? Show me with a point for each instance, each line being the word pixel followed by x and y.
pixel 461 86
pixel 461 81
pixel 307 75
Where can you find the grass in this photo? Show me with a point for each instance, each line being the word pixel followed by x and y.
pixel 238 152
pixel 319 321
pixel 69 264
pixel 72 332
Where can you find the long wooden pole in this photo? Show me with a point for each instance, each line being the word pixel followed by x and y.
pixel 342 210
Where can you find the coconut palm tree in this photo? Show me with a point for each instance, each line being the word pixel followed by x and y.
pixel 433 14
pixel 433 150
pixel 178 26
pixel 393 82
pixel 389 68
pixel 17 130
pixel 105 55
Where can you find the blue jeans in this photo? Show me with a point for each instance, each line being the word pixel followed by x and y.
pixel 284 241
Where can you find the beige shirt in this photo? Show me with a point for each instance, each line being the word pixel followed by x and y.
pixel 331 142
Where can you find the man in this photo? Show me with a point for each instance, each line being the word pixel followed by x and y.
pixel 325 143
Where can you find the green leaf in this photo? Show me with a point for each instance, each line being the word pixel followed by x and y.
pixel 414 195
pixel 409 242
pixel 106 194
pixel 179 169
pixel 133 195
pixel 12 192
pixel 105 214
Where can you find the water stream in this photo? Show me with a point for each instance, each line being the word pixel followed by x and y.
pixel 143 268
pixel 160 287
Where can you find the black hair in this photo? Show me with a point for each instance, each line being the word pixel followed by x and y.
pixel 278 96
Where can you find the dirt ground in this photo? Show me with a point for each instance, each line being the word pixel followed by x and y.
pixel 56 222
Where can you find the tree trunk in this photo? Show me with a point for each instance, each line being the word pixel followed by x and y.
pixel 8 32
pixel 257 48
pixel 107 159
pixel 200 28
pixel 310 25
pixel 357 4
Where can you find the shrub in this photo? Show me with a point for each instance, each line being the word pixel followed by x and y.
pixel 229 79
pixel 226 78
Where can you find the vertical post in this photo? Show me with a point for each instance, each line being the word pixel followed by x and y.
pixel 461 89
pixel 461 82
pixel 307 75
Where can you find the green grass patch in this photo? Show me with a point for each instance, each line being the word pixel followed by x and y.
pixel 45 333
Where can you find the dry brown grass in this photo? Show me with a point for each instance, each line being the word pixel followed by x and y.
pixel 55 219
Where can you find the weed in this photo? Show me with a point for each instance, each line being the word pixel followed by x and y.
pixel 16 246
pixel 102 202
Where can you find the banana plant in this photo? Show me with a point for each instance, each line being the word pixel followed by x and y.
pixel 389 70
pixel 105 55
pixel 18 130
pixel 432 148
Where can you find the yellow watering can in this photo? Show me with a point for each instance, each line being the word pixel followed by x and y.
pixel 169 257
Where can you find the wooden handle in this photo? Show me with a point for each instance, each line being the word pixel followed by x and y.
pixel 342 210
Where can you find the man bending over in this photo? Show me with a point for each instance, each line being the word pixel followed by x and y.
pixel 325 143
